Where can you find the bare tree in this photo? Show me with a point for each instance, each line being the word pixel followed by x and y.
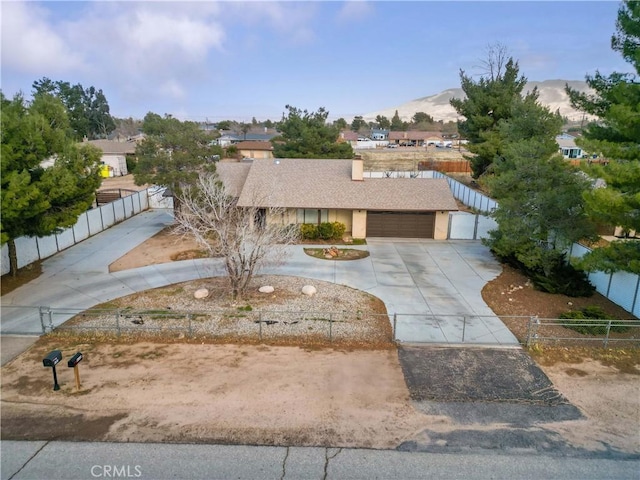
pixel 493 66
pixel 247 238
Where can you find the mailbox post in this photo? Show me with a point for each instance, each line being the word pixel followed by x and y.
pixel 51 360
pixel 73 362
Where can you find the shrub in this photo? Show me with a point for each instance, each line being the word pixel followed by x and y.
pixel 309 231
pixel 338 229
pixel 325 231
pixel 563 279
pixel 595 318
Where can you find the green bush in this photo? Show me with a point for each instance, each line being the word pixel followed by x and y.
pixel 325 231
pixel 338 229
pixel 563 279
pixel 309 231
pixel 596 319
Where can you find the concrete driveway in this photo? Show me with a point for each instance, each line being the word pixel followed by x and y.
pixel 433 286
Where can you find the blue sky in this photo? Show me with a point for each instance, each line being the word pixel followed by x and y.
pixel 237 60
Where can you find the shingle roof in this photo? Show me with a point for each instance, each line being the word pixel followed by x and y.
pixel 110 146
pixel 413 135
pixel 233 175
pixel 254 145
pixel 309 183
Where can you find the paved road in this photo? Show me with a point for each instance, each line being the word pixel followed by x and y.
pixel 425 282
pixel 42 460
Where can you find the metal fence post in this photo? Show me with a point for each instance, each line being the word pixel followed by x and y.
pixel 533 321
pixel 41 311
pixel 260 325
pixel 118 321
pixel 330 325
pixel 190 330
pixel 50 314
pixel 395 326
pixel 464 326
pixel 606 338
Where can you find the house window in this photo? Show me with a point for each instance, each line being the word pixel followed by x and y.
pixel 312 215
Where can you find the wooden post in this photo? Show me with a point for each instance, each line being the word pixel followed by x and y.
pixel 76 373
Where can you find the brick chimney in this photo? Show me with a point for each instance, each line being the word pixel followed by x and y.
pixel 357 169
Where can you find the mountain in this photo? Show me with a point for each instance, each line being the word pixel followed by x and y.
pixel 552 94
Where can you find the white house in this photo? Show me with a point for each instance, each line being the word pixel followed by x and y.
pixel 114 154
pixel 567 146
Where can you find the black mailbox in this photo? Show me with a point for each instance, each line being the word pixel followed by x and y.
pixel 75 360
pixel 52 359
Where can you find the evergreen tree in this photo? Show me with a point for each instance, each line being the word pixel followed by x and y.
pixel 306 134
pixel 541 208
pixel 397 125
pixel 616 136
pixel 173 153
pixel 383 122
pixel 88 109
pixel 488 101
pixel 39 200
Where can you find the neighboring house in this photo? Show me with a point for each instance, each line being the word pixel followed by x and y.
pixel 228 138
pixel 413 138
pixel 253 149
pixel 350 137
pixel 114 155
pixel 314 191
pixel 379 134
pixel 567 146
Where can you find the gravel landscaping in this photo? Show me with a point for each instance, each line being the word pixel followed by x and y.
pixel 335 314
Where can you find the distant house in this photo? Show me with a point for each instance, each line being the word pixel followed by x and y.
pixel 350 137
pixel 567 146
pixel 253 149
pixel 369 207
pixel 114 155
pixel 379 134
pixel 414 138
pixel 228 138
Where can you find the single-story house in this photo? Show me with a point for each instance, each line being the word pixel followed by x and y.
pixel 567 146
pixel 413 137
pixel 314 191
pixel 255 149
pixel 114 155
pixel 350 137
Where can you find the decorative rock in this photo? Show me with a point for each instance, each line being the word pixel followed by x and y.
pixel 309 290
pixel 201 293
pixel 266 289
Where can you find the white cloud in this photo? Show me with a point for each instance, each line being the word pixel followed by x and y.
pixel 30 44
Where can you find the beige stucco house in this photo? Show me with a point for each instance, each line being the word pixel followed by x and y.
pixel 255 149
pixel 314 191
pixel 114 154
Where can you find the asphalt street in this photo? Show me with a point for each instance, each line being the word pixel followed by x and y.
pixel 71 461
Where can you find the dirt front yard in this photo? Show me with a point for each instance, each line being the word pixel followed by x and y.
pixel 267 395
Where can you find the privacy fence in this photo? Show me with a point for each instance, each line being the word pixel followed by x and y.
pixel 91 222
pixel 621 288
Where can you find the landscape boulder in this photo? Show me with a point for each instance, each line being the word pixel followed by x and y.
pixel 266 289
pixel 309 290
pixel 201 293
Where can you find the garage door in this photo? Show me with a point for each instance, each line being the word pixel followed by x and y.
pixel 400 224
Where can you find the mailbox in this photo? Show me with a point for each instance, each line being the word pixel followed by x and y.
pixel 75 360
pixel 52 359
